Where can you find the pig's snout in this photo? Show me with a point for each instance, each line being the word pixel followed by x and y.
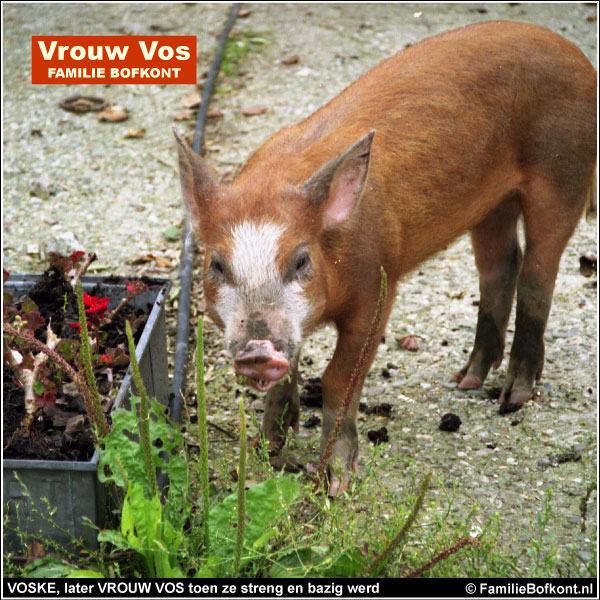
pixel 262 363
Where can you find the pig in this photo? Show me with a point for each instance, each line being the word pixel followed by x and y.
pixel 467 131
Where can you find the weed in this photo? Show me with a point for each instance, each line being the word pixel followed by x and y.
pixel 241 493
pixel 237 48
pixel 144 416
pixel 202 430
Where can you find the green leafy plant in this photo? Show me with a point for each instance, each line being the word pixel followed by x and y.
pixel 260 531
pixel 237 48
pixel 141 441
pixel 160 528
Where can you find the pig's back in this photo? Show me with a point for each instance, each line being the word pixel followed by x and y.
pixel 456 118
pixel 447 93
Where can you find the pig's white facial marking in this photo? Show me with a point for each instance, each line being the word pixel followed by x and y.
pixel 255 248
pixel 257 292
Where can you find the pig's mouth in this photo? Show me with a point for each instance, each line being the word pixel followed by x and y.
pixel 262 385
pixel 260 365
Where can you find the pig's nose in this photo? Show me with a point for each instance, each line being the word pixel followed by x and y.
pixel 262 363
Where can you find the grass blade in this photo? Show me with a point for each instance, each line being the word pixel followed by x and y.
pixel 202 430
pixel 395 541
pixel 241 500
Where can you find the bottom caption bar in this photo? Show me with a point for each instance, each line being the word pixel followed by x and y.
pixel 300 588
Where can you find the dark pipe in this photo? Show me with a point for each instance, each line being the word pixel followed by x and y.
pixel 187 254
pixel 183 314
pixel 210 81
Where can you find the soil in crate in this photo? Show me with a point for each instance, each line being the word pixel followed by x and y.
pixel 61 431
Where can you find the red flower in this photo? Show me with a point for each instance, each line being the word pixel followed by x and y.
pixel 78 326
pixel 105 359
pixel 76 256
pixel 135 287
pixel 96 306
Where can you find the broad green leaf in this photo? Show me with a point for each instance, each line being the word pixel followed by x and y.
pixel 50 566
pixel 263 539
pixel 265 503
pixel 85 574
pixel 295 564
pixel 144 530
pixel 305 562
pixel 121 451
pixel 115 538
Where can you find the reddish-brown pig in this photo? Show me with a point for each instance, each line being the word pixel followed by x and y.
pixel 466 131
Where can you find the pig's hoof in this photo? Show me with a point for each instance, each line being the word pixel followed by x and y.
pixel 458 376
pixel 286 463
pixel 512 401
pixel 339 485
pixel 273 446
pixel 470 382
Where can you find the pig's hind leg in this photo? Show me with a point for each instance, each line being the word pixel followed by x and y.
pixel 498 258
pixel 551 216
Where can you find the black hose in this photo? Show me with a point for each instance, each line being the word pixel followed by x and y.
pixel 187 254
pixel 210 81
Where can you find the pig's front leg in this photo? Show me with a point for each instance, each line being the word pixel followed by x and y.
pixel 351 337
pixel 282 410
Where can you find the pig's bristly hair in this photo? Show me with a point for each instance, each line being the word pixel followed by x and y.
pixel 254 252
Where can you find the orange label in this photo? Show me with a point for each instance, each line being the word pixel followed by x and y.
pixel 113 59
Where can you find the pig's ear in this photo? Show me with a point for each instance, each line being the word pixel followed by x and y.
pixel 337 187
pixel 198 185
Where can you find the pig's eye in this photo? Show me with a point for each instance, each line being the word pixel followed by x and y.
pixel 302 264
pixel 216 267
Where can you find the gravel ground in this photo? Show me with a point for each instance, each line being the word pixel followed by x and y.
pixel 70 181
